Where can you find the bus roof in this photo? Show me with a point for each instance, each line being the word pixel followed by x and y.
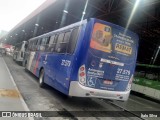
pixel 63 28
pixel 80 23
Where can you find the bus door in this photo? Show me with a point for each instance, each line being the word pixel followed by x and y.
pixel 110 60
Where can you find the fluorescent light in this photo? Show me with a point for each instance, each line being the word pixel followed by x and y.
pixel 132 13
pixel 65 11
pixel 36 24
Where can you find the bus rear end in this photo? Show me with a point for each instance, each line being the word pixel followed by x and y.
pixel 108 66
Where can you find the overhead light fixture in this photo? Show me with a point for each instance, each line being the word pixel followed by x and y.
pixel 36 24
pixel 23 30
pixel 16 34
pixel 65 11
pixel 10 36
pixel 84 11
pixel 132 14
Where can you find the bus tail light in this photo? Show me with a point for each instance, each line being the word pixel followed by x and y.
pixel 82 68
pixel 82 75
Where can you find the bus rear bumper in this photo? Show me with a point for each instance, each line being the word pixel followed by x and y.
pixel 78 90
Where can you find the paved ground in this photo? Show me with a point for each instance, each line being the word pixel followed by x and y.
pixel 10 97
pixel 48 99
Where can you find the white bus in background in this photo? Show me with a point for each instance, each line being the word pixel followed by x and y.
pixel 19 50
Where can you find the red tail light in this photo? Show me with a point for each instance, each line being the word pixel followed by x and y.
pixel 82 68
pixel 82 74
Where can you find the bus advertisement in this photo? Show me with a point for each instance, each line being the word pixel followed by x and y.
pixel 86 59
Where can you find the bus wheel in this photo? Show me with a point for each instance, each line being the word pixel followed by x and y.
pixel 41 79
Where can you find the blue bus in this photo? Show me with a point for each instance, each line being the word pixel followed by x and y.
pixel 90 58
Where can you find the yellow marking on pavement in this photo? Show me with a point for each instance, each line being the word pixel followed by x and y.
pixel 9 93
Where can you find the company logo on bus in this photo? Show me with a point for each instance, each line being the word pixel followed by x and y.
pixel 123 48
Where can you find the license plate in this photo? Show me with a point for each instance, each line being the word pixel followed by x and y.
pixel 107 82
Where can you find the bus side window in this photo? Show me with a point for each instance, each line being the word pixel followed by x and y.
pixel 62 45
pixel 38 43
pixel 52 43
pixel 42 45
pixel 47 43
pixel 26 46
pixel 30 45
pixel 59 41
pixel 73 40
pixel 35 44
pixel 47 40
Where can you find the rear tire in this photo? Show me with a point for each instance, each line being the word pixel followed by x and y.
pixel 41 79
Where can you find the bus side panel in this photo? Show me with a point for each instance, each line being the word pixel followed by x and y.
pixel 57 68
pixel 81 49
pixel 57 71
pixel 39 63
pixel 60 67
